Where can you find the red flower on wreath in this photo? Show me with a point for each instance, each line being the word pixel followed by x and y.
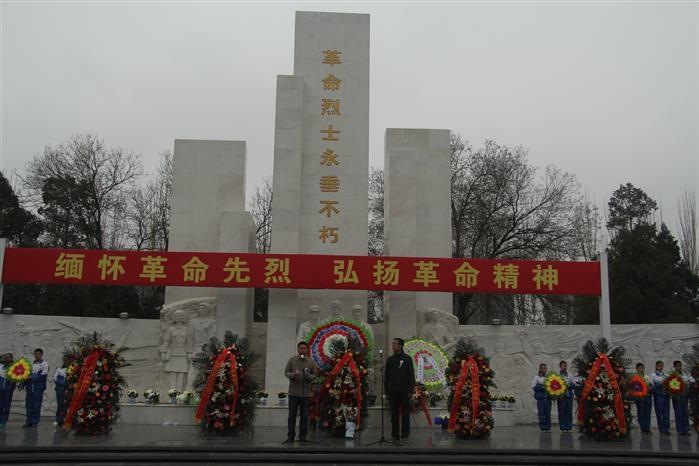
pixel 674 385
pixel 637 388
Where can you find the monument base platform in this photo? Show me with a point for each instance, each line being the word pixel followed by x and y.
pixel 147 444
pixel 272 416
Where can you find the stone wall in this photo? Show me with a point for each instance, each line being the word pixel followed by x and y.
pixel 515 351
pixel 21 334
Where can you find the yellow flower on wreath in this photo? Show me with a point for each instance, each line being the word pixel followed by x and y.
pixel 19 371
pixel 555 385
pixel 675 384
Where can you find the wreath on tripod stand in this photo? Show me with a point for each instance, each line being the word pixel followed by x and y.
pixel 227 393
pixel 470 378
pixel 340 402
pixel 602 412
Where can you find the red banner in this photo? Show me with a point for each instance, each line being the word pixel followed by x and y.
pixel 301 271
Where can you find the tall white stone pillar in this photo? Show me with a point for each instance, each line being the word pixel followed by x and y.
pixel 417 216
pixel 208 215
pixel 321 165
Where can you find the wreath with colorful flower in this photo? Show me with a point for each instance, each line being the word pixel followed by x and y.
pixel 674 384
pixel 321 338
pixel 603 411
pixel 470 379
pixel 226 392
pixel 430 362
pixel 691 359
pixel 339 400
pixel 555 385
pixel 19 371
pixel 93 385
pixel 637 387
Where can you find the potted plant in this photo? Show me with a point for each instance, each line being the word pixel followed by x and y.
pixel 262 397
pixel 435 398
pixel 132 394
pixel 282 398
pixel 185 398
pixel 371 397
pixel 152 397
pixel 172 393
pixel 511 401
pixel 442 420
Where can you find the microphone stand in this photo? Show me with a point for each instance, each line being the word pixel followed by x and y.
pixel 303 392
pixel 383 440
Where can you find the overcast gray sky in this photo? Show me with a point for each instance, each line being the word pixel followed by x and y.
pixel 609 92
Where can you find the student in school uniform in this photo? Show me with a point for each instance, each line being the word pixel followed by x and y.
pixel 680 403
pixel 565 403
pixel 35 386
pixel 7 389
pixel 543 402
pixel 644 406
pixel 59 380
pixel 660 398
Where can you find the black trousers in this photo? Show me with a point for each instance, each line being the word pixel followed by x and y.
pixel 400 413
pixel 296 404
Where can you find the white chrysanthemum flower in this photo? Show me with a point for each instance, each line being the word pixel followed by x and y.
pixel 327 344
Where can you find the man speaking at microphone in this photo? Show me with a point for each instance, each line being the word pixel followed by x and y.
pixel 300 371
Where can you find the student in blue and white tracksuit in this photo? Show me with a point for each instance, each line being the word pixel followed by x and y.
pixel 59 379
pixel 35 386
pixel 644 406
pixel 660 398
pixel 565 403
pixel 680 403
pixel 543 402
pixel 7 388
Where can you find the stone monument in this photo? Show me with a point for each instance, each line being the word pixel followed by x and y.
pixel 417 216
pixel 208 215
pixel 310 324
pixel 321 165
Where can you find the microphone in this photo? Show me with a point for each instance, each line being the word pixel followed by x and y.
pixel 303 356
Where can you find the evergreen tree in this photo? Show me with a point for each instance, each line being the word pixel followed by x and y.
pixel 649 282
pixel 17 224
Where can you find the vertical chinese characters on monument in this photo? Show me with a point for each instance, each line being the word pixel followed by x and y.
pixel 329 182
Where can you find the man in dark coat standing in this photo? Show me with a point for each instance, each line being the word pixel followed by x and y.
pixel 399 383
pixel 300 370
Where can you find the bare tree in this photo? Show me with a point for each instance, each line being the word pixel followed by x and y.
pixel 140 216
pixel 587 233
pixel 687 210
pixel 163 188
pixel 97 176
pixel 503 208
pixel 261 210
pixel 376 238
pixel 148 212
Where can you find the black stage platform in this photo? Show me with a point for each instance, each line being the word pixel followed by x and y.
pixel 147 444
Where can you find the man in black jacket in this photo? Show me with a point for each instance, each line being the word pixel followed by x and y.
pixel 399 382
